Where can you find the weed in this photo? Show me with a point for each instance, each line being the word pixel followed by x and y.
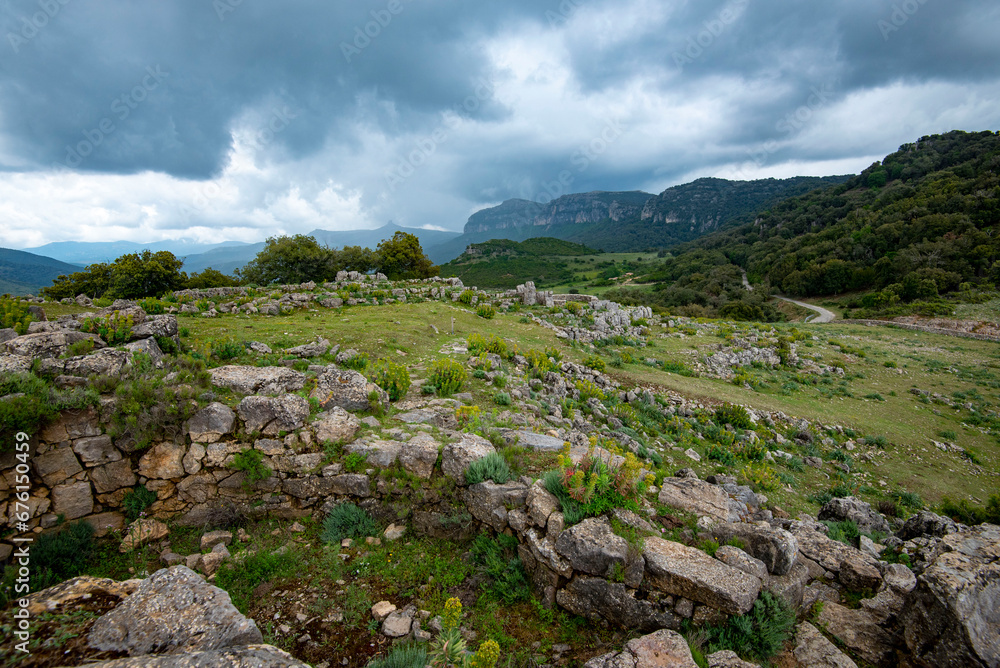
pixel 491 467
pixel 497 559
pixel 240 577
pixel 391 377
pixel 406 655
pixel 355 462
pixel 846 532
pixel 967 513
pixel 737 416
pixel 447 376
pixel 486 311
pixel 594 362
pixel 251 463
pixel 136 500
pixel 61 554
pixel 347 521
pixel 757 635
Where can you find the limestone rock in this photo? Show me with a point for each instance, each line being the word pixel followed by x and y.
pixel 318 347
pixel 173 610
pixel 591 547
pixel 348 389
pixel 211 423
pixel 57 465
pixel 212 538
pixel 397 624
pixel 156 325
pixel 488 502
pixel 419 455
pixel 860 633
pixel 44 345
pixel 96 450
pixel 147 346
pixel 538 442
pixel 728 659
pixel 859 575
pixel 164 461
pixel 696 496
pixel 541 504
pixel 926 523
pixel 813 650
pixel 258 380
pixel 953 615
pixel 78 589
pixel 351 484
pixel 142 531
pixel 336 424
pixel 855 510
pixel 247 656
pixel 597 598
pixel 777 548
pixel 106 362
pixel 272 415
pixel 14 363
pixel 662 649
pixel 73 500
pixel 826 552
pixel 113 476
pixel 740 560
pixel 684 571
pixel 456 457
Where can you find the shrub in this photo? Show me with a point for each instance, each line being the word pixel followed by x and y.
pixel 167 345
pixel 476 343
pixel 498 346
pixel 228 349
pixel 679 368
pixel 357 362
pixel 391 377
pixel 497 558
pixel 447 376
pixel 761 477
pixel 14 314
pixel 61 554
pixel 466 296
pixel 846 532
pixel 965 512
pixel 589 390
pixel 136 500
pixel 501 399
pixel 889 364
pixel 758 635
pixel 596 363
pixel 240 577
pixel 406 655
pixel 467 414
pixel 448 649
pixel 113 329
pixel 491 467
pixel 355 462
pixel 251 463
pixel 486 311
pixel 593 487
pixel 347 521
pixel 908 499
pixel 734 415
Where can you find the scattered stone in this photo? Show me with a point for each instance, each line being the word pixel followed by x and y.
pixel 662 649
pixel 318 347
pixel 142 531
pixel 813 650
pixel 456 457
pixel 272 415
pixel 394 532
pixel 926 523
pixel 213 538
pixel 397 624
pixel 382 609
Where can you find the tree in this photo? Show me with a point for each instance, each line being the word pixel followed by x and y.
pixel 402 257
pixel 131 276
pixel 210 278
pixel 296 259
pixel 355 258
pixel 93 281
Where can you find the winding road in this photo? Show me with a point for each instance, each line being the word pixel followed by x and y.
pixel 823 316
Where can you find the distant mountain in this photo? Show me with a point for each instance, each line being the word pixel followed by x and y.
pixel 23 273
pixel 83 253
pixel 229 258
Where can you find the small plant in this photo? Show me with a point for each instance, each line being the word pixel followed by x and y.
pixel 596 363
pixel 761 477
pixel 136 501
pixel 497 559
pixel 948 434
pixel 486 311
pixel 967 513
pixel 448 648
pixel 391 377
pixel 114 329
pixel 491 467
pixel 251 463
pixel 406 655
pixel 61 554
pixel 501 399
pixel 357 362
pixel 355 462
pixel 737 416
pixel 447 376
pixel 475 343
pixel 889 364
pixel 228 350
pixel 347 521
pixel 758 635
pixel 84 347
pixel 14 314
pixel 845 532
pixel 467 414
pixel 589 390
pixel 467 296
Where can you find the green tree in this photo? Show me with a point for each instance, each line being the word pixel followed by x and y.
pixel 296 259
pixel 355 258
pixel 93 281
pixel 210 278
pixel 402 257
pixel 145 274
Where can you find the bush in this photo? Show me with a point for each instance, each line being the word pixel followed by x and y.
pixel 391 377
pixel 115 329
pixel 136 500
pixel 486 311
pixel 845 532
pixel 593 487
pixel 14 314
pixel 447 376
pixel 491 467
pixel 406 655
pixel 347 521
pixel 497 558
pixel 501 399
pixel 734 415
pixel 228 349
pixel 466 296
pixel 251 462
pixel 61 554
pixel 355 462
pixel 357 362
pixel 36 404
pixel 758 635
pixel 476 343
pixel 596 363
pixel 967 513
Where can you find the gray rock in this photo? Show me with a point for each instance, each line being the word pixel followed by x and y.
pixel 738 559
pixel 258 380
pixel 420 416
pixel 860 633
pixel 147 346
pixel 953 615
pixel 318 347
pixel 49 344
pixel 791 586
pixel 377 452
pixel 489 502
pixel 272 415
pixel 684 571
pixel 248 656
pixel 777 548
pixel 112 477
pixel 926 523
pixel 173 610
pixel 859 575
pixel 350 484
pixel 591 547
pixel 212 538
pixel 56 465
pixel 397 624
pixel 348 389
pixel 538 442
pixel 540 504
pixel 7 334
pixel 96 450
pixel 899 578
pixel 336 424
pixel 164 461
pixel 813 650
pixel 211 423
pixel 699 497
pixel 156 325
pixel 14 363
pixel 828 553
pixel 72 500
pixel 614 602
pixel 854 510
pixel 419 455
pixel 106 362
pixel 456 457
pixel 728 659
pixel 662 649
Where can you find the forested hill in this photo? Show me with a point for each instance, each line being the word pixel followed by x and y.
pixel 923 221
pixel 502 263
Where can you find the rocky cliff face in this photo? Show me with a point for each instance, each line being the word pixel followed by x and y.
pixel 590 207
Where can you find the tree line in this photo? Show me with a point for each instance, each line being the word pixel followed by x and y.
pixel 283 260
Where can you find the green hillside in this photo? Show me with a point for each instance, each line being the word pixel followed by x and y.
pixel 502 263
pixel 23 273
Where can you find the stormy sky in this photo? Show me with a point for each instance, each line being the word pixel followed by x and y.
pixel 216 120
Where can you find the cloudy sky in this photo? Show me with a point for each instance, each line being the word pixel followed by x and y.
pixel 215 120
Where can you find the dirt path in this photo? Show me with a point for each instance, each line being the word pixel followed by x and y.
pixel 823 317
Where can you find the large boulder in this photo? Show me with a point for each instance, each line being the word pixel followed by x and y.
pixel 777 548
pixel 156 325
pixel 174 610
pixel 272 415
pixel 378 452
pixel 336 424
pixel 684 571
pixel 49 344
pixel 854 510
pixel 825 551
pixel 698 497
pixel 662 649
pixel 72 499
pixel 14 363
pixel 255 656
pixel 952 618
pixel 926 523
pixel 861 633
pixel 318 347
pixel 56 465
pixel 258 380
pixel 529 439
pixel 592 547
pixel 146 347
pixel 211 423
pixel 348 389
pixel 419 455
pixel 813 650
pixel 489 502
pixel 164 461
pixel 456 457
pixel 105 362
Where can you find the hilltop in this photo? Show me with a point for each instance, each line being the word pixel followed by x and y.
pixel 23 273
